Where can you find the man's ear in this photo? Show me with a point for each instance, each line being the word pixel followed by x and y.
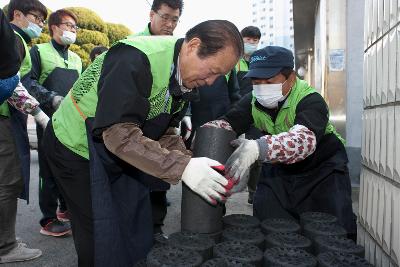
pixel 17 14
pixel 193 44
pixel 151 14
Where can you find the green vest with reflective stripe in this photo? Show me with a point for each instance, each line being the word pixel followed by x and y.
pixel 81 101
pixel 287 114
pixel 51 59
pixel 25 68
pixel 242 65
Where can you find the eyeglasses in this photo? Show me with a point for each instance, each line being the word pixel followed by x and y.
pixel 165 18
pixel 38 19
pixel 69 25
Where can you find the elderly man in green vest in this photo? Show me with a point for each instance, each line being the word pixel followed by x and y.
pixel 27 20
pixel 304 158
pixel 55 68
pixel 117 115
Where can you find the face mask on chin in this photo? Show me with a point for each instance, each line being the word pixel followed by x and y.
pixel 68 37
pixel 269 95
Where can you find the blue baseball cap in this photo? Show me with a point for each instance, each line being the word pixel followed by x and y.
pixel 267 62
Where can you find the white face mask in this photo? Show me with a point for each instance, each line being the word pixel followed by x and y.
pixel 33 30
pixel 68 37
pixel 249 49
pixel 268 95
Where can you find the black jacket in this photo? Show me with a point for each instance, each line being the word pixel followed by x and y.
pixel 10 60
pixel 215 100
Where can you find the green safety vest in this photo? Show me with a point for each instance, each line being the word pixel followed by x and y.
pixel 81 101
pixel 25 68
pixel 51 59
pixel 145 32
pixel 242 65
pixel 286 115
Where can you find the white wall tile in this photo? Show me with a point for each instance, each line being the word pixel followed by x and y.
pixel 395 252
pixel 375 207
pixel 360 235
pixel 385 70
pixel 381 211
pixel 391 141
pixel 391 94
pixel 361 197
pixel 370 13
pixel 365 79
pixel 374 73
pixel 380 7
pixel 372 138
pixel 387 223
pixel 398 11
pixel 369 78
pixel 383 141
pixel 374 21
pixel 363 136
pixel 370 205
pixel 386 16
pixel 368 143
pixel 398 63
pixel 377 142
pixel 365 199
pixel 397 144
pixel 379 73
pixel 366 24
pixel 393 13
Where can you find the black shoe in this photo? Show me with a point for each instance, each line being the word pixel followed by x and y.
pixel 56 228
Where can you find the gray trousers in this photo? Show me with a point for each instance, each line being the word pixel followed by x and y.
pixel 11 186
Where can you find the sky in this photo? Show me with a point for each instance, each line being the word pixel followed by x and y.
pixel 135 13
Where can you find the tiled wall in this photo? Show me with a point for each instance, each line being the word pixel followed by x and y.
pixel 379 203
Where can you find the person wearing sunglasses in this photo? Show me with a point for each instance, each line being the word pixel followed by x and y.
pixel 55 68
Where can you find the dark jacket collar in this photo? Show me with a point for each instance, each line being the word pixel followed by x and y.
pixel 149 28
pixel 26 37
pixel 58 47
